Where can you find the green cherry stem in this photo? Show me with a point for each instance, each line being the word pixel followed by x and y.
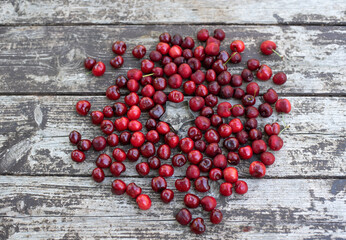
pixel 234 53
pixel 278 54
pixel 151 74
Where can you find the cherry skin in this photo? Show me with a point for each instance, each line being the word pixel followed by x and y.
pixel 237 110
pixel 219 34
pixel 230 174
pixel 98 69
pixel 147 149
pixel 120 124
pixel 236 125
pixel 237 46
pixel 164 152
pixel 163 48
pixel 176 96
pixel 264 73
pixel 205 165
pixel 231 144
pixel 166 170
pixel 216 120
pixel 215 174
pixel 216 216
pixel 192 172
pixel 208 203
pixel 238 93
pixel 158 184
pixel 103 161
pixel 235 58
pixel 191 200
pixel 179 160
pixel 165 37
pixel 135 74
pixel 137 139
pixel 270 96
pixel 275 143
pixel 255 134
pixel 154 163
pixel 139 51
pixel 248 100
pixel 84 145
pixel 212 49
pixel 119 155
pixel 283 105
pixel 119 47
pixel 273 129
pixel 195 157
pixel 117 168
pixel 143 168
pixel 220 161
pixel 251 112
pixel 143 201
pixel 188 42
pixel 159 97
pixel 171 139
pixel 119 109
pixel 108 111
pixel 98 175
pixel 224 109
pixel 75 137
pixel 257 169
pixel 246 75
pixel 89 63
pixel 212 150
pixel 134 126
pixel 241 187
pixel 201 184
pixel 267 158
pixel 197 226
pixel 214 88
pixel 120 81
pixel 233 158
pixel 224 130
pixel 253 89
pixel 186 145
pixel 253 64
pixel 118 187
pixel 267 47
pixel 183 216
pixel 77 156
pixel 175 51
pixel 226 189
pixel 167 195
pixel 155 56
pixel 113 92
pixel 245 152
pixel 117 61
pixel 279 78
pixel 83 107
pixel 183 185
pixel 242 137
pixel 236 80
pixel 203 35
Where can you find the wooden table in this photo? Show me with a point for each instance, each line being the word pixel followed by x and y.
pixel 44 195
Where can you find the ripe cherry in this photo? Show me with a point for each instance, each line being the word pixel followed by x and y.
pixel 203 35
pixel 270 96
pixel 246 75
pixel 77 156
pixel 197 226
pixel 120 123
pixel 257 169
pixel 231 144
pixel 192 172
pixel 165 37
pixel 83 107
pixel 219 34
pixel 167 195
pixel 253 64
pixel 166 170
pixel 103 161
pixel 220 161
pixel 216 216
pixel 280 78
pixel 143 201
pixel 230 174
pixel 158 184
pixel 117 61
pixel 208 203
pixel 183 185
pixel 273 129
pixel 194 156
pixel 241 187
pixel 89 63
pixel 99 143
pixel 226 189
pixel 98 175
pixel 143 168
pixel 133 190
pixel 201 184
pixel 113 92
pixel 120 81
pixel 186 145
pixel 275 143
pixel 108 111
pixel 117 168
pixel 84 145
pixel 283 105
pixel 176 96
pixel 212 150
pixel 183 216
pixel 264 73
pixel 236 125
pixel 75 137
pixel 269 47
pixel 233 158
pixel 171 139
pixel 137 139
pixel 154 162
pixel 118 187
pixel 237 46
pixel 119 155
pixel 191 200
pixel 205 165
pixel 215 174
pixel 139 51
pixel 98 69
pixel 164 152
pixel 147 149
pixel 163 48
pixel 119 47
pixel 245 152
pixel 224 109
pixel 179 160
pixel 267 158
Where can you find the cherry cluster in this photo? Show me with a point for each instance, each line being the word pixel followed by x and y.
pixel 200 72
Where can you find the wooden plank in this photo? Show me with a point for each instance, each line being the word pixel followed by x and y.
pixel 49 59
pixel 75 207
pixel 34 139
pixel 168 12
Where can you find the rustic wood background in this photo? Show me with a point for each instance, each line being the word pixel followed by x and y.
pixel 44 195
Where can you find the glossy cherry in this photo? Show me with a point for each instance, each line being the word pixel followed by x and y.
pixel 118 187
pixel 216 216
pixel 183 185
pixel 98 69
pixel 143 201
pixel 241 187
pixel 197 226
pixel 98 175
pixel 257 169
pixel 83 107
pixel 183 216
pixel 158 184
pixel 77 156
pixel 167 195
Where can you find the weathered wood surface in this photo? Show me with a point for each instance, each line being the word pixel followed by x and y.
pixel 35 137
pixel 170 12
pixel 49 59
pixel 59 208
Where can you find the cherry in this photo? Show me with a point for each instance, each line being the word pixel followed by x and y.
pixel 255 134
pixel 160 97
pixel 135 74
pixel 155 56
pixel 265 110
pixel 245 152
pixel 183 216
pixel 191 200
pixel 237 46
pixel 99 143
pixel 119 155
pixel 143 168
pixel 203 35
pixel 89 63
pixel 215 174
pixel 117 61
pixel 119 109
pixel 201 184
pixel 134 126
pixel 236 125
pixel 212 136
pixel 119 47
pixel 154 162
pixel 200 145
pixel 167 195
pixel 230 174
pixel 195 156
pixel 252 89
pixel 224 130
pixel 189 87
pixel 108 111
pixel 212 150
pixel 150 124
pixel 120 81
pixel 231 144
pixel 211 100
pixel 194 133
pixel 179 160
pixel 162 128
pixel 98 69
pixel 125 137
pixel 233 158
pixel 226 92
pixel 208 203
pixel 275 143
pixel 164 152
pixel 158 184
pixel 238 93
pixel 133 190
pixel 159 83
pixel 103 161
pixel 192 172
pixel 205 165
pixel 214 88
pixel 253 64
pixel 171 139
pixel 137 139
pixel 176 96
pixel 75 137
pixel 248 100
pixel 107 127
pixel 133 154
pixel 201 90
pixel 243 136
pixel 216 216
pixel 147 149
pixel 163 48
pixel 139 51
pixel 216 120
pixel 280 78
pixel 219 34
pixel 226 189
pixel 257 169
pixel 113 92
pixel 273 129
pixel 264 73
pixel 143 201
pixel 158 72
pixel 237 110
pixel 83 107
pixel 175 51
pixel 269 47
pixel 251 112
pixel 183 185
pixel 219 66
pixel 197 226
pixel 166 170
pixel 157 111
pixel 117 168
pixel 165 37
pixel 220 161
pixel 188 43
pixel 148 91
pixel 166 60
pixel 77 156
pixel 267 158
pixel 208 62
pixel 202 123
pixel 213 40
pixel 241 187
pixel 212 49
pixel 198 76
pixel 235 58
pixel 224 78
pixel 118 187
pixel 98 175
pixel 147 66
pixel 236 80
pixel 120 124
pixel 224 109
pixel 84 145
pixel 259 146
pixel 187 54
pixel 270 96
pixel 246 75
pixel 283 105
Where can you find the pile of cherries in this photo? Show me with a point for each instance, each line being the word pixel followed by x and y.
pixel 210 147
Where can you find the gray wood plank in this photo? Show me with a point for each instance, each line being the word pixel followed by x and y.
pixel 168 12
pixel 34 137
pixel 42 60
pixel 75 207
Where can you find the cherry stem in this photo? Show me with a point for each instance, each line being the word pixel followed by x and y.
pixel 151 74
pixel 286 127
pixel 234 53
pixel 278 54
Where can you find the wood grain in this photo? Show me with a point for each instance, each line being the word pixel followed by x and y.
pixel 168 12
pixel 35 132
pixel 55 207
pixel 48 59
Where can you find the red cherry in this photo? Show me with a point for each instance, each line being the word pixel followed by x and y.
pixel 137 139
pixel 139 51
pixel 119 155
pixel 183 216
pixel 267 158
pixel 154 162
pixel 257 169
pixel 99 143
pixel 117 168
pixel 75 137
pixel 163 48
pixel 253 64
pixel 220 161
pixel 224 110
pixel 226 189
pixel 113 92
pixel 245 152
pixel 208 203
pixel 99 69
pixel 120 124
pixel 119 47
pixel 264 73
pixel 241 187
pixel 176 96
pixel 269 47
pixel 183 185
pixel 158 184
pixel 191 200
pixel 98 175
pixel 108 111
pixel 203 35
pixel 117 61
pixel 165 37
pixel 118 187
pixel 133 190
pixel 212 49
pixel 201 184
pixel 143 168
pixel 197 226
pixel 275 143
pixel 77 156
pixel 270 96
pixel 279 78
pixel 89 63
pixel 273 129
pixel 219 34
pixel 103 161
pixel 167 195
pixel 147 149
pixel 283 105
pixel 216 216
pixel 179 160
pixel 175 51
pixel 215 174
pixel 166 170
pixel 84 145
pixel 195 157
pixel 237 46
pixel 164 152
pixel 202 123
pixel 83 107
pixel 135 74
pixel 230 174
